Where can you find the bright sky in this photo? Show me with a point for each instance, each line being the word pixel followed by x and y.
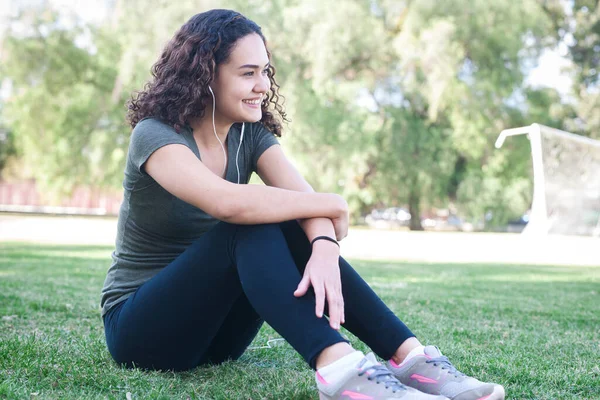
pixel 88 10
pixel 546 74
pixel 92 11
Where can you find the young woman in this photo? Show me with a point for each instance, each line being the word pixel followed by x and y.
pixel 202 258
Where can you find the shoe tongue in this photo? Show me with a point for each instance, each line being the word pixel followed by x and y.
pixel 368 361
pixel 371 357
pixel 432 351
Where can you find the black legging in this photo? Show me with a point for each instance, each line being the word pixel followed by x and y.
pixel 209 303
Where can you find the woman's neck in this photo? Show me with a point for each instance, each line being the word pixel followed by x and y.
pixel 204 133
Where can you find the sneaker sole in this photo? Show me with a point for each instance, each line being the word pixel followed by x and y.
pixel 497 394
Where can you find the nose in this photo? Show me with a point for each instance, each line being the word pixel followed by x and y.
pixel 263 85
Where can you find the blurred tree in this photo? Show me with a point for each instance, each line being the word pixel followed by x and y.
pixel 399 102
pixel 60 113
pixel 141 29
pixel 70 83
pixel 577 27
pixel 469 79
pixel 391 101
pixel 7 148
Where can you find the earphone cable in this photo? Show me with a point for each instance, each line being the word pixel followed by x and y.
pixel 217 136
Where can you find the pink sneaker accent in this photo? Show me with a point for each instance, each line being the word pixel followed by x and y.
pixel 424 379
pixel 484 397
pixel 321 379
pixel 356 396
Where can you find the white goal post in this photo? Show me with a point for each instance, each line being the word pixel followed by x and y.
pixel 566 181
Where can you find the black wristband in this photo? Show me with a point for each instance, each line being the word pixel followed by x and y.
pixel 324 238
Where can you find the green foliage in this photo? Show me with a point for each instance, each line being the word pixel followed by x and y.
pixel 391 102
pixel 384 98
pixel 577 28
pixel 61 112
pixel 7 147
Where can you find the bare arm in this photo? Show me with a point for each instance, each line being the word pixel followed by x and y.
pixel 179 171
pixel 276 170
pixel 322 271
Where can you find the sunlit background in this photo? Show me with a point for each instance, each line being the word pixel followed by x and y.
pixel 393 104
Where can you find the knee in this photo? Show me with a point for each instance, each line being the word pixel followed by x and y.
pixel 261 227
pixel 260 230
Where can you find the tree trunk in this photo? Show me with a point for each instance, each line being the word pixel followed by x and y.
pixel 414 208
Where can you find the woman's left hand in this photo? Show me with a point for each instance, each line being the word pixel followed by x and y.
pixel 323 273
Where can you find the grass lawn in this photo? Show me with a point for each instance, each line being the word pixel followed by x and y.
pixel 535 329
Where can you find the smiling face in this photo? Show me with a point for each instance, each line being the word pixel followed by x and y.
pixel 241 82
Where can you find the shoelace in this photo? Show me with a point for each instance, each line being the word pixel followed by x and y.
pixel 445 364
pixel 381 374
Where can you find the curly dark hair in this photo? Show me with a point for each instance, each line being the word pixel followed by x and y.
pixel 188 64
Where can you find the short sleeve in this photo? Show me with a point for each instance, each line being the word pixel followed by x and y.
pixel 262 140
pixel 148 136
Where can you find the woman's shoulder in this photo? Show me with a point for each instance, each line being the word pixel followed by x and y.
pixel 155 130
pixel 258 129
pixel 261 138
pixel 152 133
pixel 152 125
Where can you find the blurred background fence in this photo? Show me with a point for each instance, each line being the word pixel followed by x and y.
pixel 26 197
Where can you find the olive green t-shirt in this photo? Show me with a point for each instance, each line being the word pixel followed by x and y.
pixel 155 227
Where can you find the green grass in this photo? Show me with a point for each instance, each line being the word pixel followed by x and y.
pixel 535 329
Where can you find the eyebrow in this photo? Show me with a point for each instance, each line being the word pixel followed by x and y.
pixel 253 66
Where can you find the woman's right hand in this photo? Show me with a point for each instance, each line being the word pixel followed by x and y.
pixel 342 220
